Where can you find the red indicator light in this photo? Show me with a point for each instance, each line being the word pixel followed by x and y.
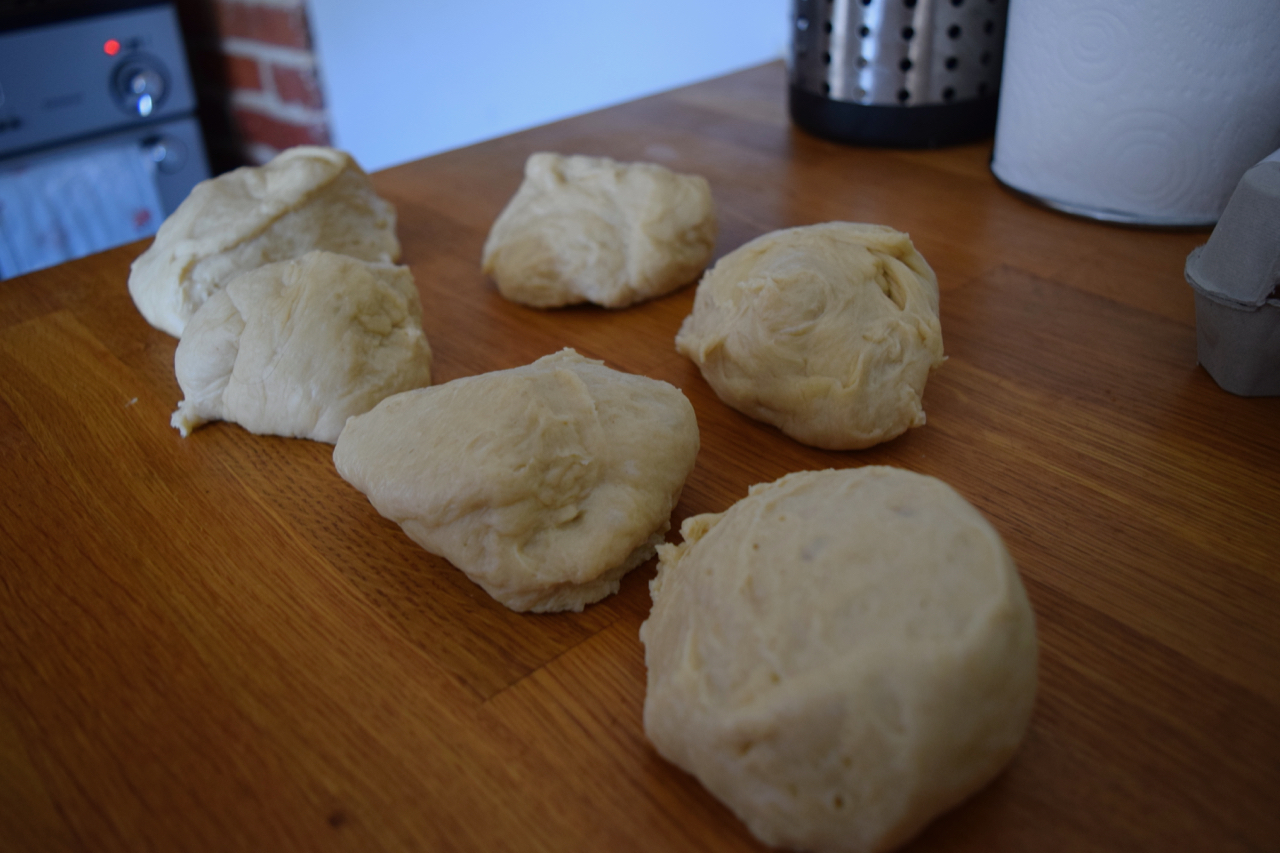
pixel 111 47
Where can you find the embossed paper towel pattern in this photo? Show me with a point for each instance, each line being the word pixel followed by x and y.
pixel 1144 111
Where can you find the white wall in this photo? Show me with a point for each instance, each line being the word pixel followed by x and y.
pixel 407 78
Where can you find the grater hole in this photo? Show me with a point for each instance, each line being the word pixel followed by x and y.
pixel 905 64
pixel 802 24
pixel 951 63
pixel 982 88
pixel 910 4
pixel 862 62
pixel 826 88
pixel 908 33
pixel 948 94
pixel 864 31
pixel 985 59
pixel 826 58
pixel 989 27
pixel 903 96
pixel 954 31
pixel 957 3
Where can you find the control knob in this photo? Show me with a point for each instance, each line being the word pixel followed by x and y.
pixel 139 85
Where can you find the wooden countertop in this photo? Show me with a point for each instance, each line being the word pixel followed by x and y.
pixel 215 643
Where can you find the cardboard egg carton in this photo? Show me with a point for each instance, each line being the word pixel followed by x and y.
pixel 1236 279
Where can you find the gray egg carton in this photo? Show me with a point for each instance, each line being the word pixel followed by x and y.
pixel 1236 279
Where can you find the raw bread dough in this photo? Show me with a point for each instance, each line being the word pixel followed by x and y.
pixel 306 198
pixel 588 229
pixel 840 657
pixel 825 331
pixel 296 347
pixel 545 484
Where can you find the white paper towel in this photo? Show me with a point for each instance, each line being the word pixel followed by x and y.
pixel 1144 111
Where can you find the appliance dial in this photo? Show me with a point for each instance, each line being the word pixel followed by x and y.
pixel 167 152
pixel 139 85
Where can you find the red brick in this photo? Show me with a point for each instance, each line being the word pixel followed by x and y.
pixel 269 130
pixel 284 27
pixel 296 86
pixel 243 73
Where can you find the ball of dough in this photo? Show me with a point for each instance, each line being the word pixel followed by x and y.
pixel 826 331
pixel 306 198
pixel 296 347
pixel 839 657
pixel 588 229
pixel 545 484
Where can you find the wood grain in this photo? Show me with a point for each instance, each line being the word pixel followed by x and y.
pixel 214 643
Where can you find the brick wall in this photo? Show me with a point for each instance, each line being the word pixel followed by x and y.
pixel 257 77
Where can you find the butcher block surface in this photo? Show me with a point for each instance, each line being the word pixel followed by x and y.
pixel 215 643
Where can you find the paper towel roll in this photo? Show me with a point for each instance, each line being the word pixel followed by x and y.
pixel 1146 111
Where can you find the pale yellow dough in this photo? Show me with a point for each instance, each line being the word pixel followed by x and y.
pixel 296 347
pixel 306 198
pixel 827 331
pixel 545 483
pixel 589 229
pixel 840 657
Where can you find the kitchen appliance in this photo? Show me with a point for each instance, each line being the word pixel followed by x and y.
pixel 905 73
pixel 98 135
